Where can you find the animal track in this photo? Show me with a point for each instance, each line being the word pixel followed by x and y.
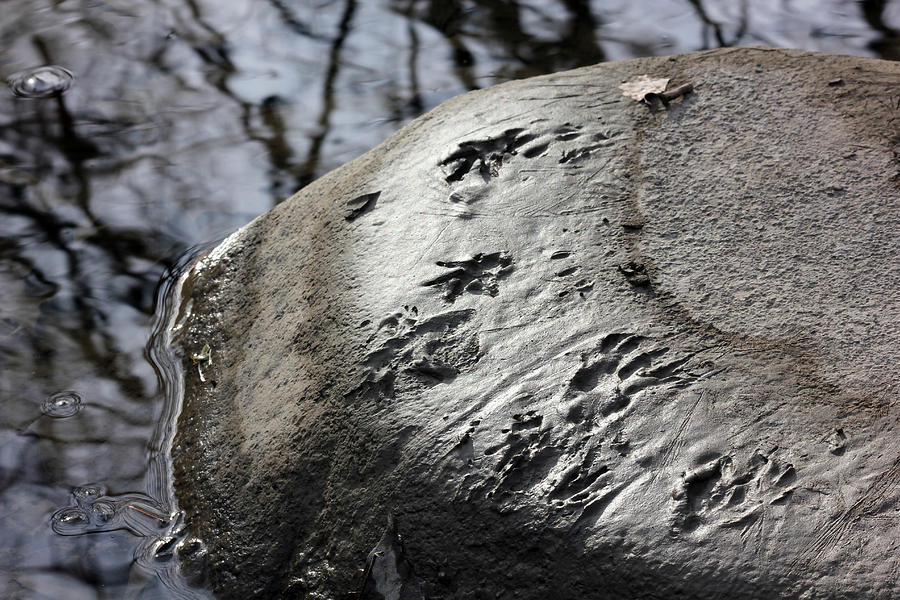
pixel 579 154
pixel 837 442
pixel 580 478
pixel 486 157
pixel 400 322
pixel 480 274
pixel 635 274
pixel 417 352
pixel 622 366
pixel 719 492
pixel 464 449
pixel 523 459
pixel 582 286
pixel 576 472
pixel 488 154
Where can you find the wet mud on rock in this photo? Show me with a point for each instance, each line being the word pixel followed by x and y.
pixel 567 346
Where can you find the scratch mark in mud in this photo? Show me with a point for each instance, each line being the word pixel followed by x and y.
pixel 673 447
pixel 832 534
pixel 433 242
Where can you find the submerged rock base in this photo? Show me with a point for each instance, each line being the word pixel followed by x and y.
pixel 568 345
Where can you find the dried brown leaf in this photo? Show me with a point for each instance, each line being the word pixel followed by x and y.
pixel 636 89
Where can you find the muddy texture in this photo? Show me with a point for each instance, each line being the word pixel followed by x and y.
pixel 568 345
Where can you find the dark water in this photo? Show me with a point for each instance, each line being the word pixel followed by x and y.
pixel 168 124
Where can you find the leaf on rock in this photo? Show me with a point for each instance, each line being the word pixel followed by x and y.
pixel 637 89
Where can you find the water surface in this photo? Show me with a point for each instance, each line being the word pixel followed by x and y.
pixel 135 132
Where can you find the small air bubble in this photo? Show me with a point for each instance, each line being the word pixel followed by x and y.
pixel 42 82
pixel 61 405
pixel 103 512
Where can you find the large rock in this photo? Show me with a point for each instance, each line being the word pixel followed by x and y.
pixel 575 345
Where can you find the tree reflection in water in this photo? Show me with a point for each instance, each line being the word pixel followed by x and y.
pixel 189 117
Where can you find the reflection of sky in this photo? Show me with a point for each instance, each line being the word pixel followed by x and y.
pixel 187 120
pixel 673 26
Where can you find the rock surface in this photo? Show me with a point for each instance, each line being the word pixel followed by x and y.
pixel 572 345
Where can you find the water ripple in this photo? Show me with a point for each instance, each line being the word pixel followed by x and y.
pixel 61 405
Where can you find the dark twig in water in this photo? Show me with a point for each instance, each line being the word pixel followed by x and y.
pixel 666 97
pixel 144 512
pixel 308 171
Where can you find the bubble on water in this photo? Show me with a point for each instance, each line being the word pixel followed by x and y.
pixel 42 82
pixel 61 405
pixel 103 512
pixel 88 493
pixel 70 521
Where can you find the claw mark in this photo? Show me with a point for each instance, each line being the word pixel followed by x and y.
pixel 674 446
pixel 678 439
pixel 361 205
